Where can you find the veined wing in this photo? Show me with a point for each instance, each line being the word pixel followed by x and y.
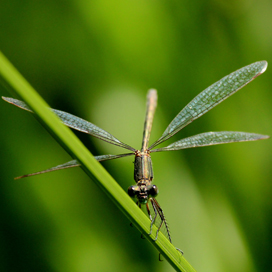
pixel 211 97
pixel 150 111
pixel 77 123
pixel 75 163
pixel 212 138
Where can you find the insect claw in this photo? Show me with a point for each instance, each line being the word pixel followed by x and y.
pixel 160 257
pixel 157 234
pixel 180 251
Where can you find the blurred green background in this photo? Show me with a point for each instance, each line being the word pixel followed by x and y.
pixel 97 59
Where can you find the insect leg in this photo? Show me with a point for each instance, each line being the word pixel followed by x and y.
pixel 163 220
pixel 148 211
pixel 155 216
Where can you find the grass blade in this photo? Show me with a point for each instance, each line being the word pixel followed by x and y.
pixel 14 81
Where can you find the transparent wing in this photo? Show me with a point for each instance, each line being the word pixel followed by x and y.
pixel 150 111
pixel 211 97
pixel 75 163
pixel 111 157
pixel 76 123
pixel 212 138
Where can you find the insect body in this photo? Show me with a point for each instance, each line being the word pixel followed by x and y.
pixel 143 175
pixel 144 191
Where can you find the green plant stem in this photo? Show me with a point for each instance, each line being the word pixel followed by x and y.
pixel 11 78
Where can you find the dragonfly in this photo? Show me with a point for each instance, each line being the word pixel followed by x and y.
pixel 145 191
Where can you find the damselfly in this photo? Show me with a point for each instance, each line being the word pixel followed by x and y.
pixel 144 191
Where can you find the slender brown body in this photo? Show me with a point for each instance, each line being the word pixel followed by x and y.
pixel 143 171
pixel 143 175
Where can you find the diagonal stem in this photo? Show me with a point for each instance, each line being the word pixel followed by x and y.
pixel 14 81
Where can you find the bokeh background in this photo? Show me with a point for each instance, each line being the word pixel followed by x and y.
pixel 97 59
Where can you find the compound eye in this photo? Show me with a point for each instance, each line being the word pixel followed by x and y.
pixel 153 191
pixel 132 191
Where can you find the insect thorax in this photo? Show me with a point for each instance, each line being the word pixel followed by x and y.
pixel 143 175
pixel 143 171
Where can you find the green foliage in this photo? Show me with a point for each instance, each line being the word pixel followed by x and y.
pixel 96 59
